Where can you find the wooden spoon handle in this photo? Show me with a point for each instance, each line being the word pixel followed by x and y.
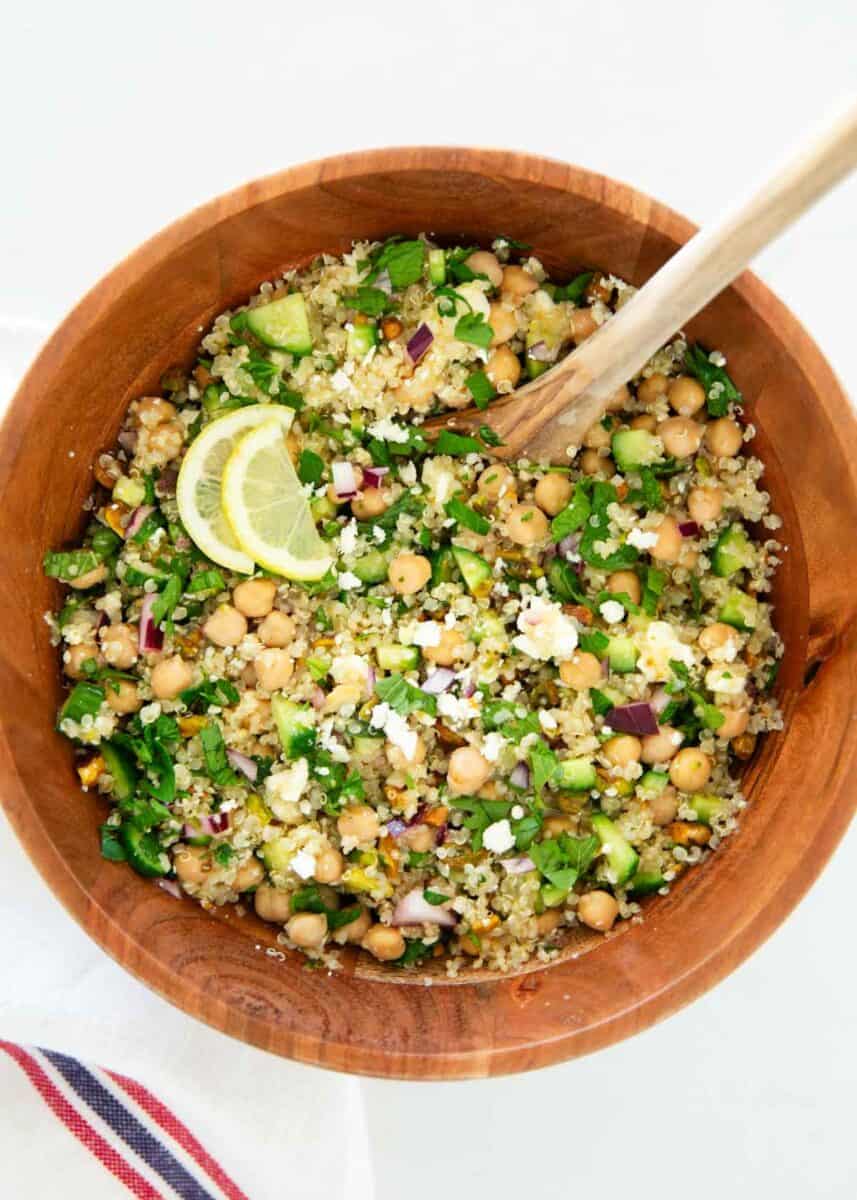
pixel 555 411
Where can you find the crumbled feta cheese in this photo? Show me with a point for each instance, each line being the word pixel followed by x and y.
pixel 378 534
pixel 348 538
pixel 349 668
pixel 492 746
pixel 303 864
pixel 547 721
pixel 612 612
pixel 427 633
pixel 727 681
pixel 455 709
pixel 546 632
pixel 408 474
pixel 285 788
pixel 150 713
pixel 348 581
pixel 498 838
pixel 439 479
pixel 396 729
pixel 517 812
pixel 339 381
pixel 657 644
pixel 386 430
pixel 643 539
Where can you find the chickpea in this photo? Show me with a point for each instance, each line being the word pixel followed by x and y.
pixel 448 649
pixel 723 437
pixel 554 825
pixel 598 910
pixel 416 392
pixel 496 481
pixel 688 556
pixel 89 578
pixel 254 597
pixel 75 656
pixel 643 421
pixel 504 323
pixel 664 806
pixel 384 943
pixel 597 437
pixel 226 626
pixel 668 546
pixel 582 324
pixel 580 672
pixel 359 822
pixel 553 492
pixel 408 573
pixel 686 395
pixel 483 262
pixel 171 676
pixel 166 441
pixel 123 696
pixel 503 366
pixel 342 695
pixel 397 759
pixel 526 524
pixel 661 746
pixel 467 771
pixel 620 399
pixel 271 904
pixel 355 930
pixel 192 863
pixel 690 769
pixel 651 389
pixel 152 410
pixel 681 436
pixel 516 284
pixel 705 504
pixel 329 865
pixel 119 645
pixel 369 504
pixel 735 722
pixel 249 875
pixel 274 668
pixel 419 838
pixel 307 930
pixel 391 327
pixel 277 629
pixel 719 641
pixel 548 921
pixel 593 463
pixel 622 749
pixel 627 582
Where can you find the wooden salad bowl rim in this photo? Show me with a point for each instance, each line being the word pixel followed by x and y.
pixel 226 969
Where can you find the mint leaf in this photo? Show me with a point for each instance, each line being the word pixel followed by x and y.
pixel 310 467
pixel 572 516
pixel 720 390
pixel 481 388
pixel 474 329
pixel 404 697
pixel 456 444
pixel 467 517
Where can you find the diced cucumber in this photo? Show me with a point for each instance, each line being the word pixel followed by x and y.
pixel 487 625
pixel 294 725
pixel 120 766
pixel 138 574
pixel 397 658
pixel 633 448
pixel 323 508
pixel 740 610
pixel 282 324
pixel 442 566
pixel 622 654
pixel 475 570
pixel 143 851
pixel 732 551
pixel 553 896
pixel 575 775
pixel 621 857
pixel 535 368
pixel 646 882
pixel 277 854
pixel 361 339
pixel 372 567
pixel 653 782
pixel 437 266
pixel 129 491
pixel 706 806
pixel 365 746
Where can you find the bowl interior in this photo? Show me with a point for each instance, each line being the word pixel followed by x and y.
pixel 146 316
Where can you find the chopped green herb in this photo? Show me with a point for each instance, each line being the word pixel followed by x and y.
pixel 402 260
pixel 474 329
pixel 111 846
pixel 84 700
pixel 69 565
pixel 595 642
pixel 404 697
pixel 490 436
pixel 720 391
pixel 415 951
pixel 573 515
pixel 211 693
pixel 223 854
pixel 543 764
pixel 370 300
pixel 466 517
pixel 214 751
pixel 431 897
pixel 481 388
pixel 456 444
pixel 601 704
pixel 574 291
pixel 206 581
pixel 310 467
pixel 654 582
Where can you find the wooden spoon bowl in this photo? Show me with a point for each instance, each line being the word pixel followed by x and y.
pixel 147 315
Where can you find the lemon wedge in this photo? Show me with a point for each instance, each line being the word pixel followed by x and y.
pixel 199 486
pixel 265 504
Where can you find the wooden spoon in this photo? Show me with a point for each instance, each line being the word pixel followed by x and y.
pixel 545 417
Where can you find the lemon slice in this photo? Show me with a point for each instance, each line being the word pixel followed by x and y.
pixel 265 503
pixel 198 490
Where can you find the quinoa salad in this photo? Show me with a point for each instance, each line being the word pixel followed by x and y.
pixel 379 685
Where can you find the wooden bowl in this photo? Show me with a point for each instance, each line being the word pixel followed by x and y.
pixel 146 315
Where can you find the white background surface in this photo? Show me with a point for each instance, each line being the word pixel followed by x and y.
pixel 118 118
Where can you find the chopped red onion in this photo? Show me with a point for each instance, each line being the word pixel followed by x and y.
pixel 137 518
pixel 519 865
pixel 659 699
pixel 520 776
pixel 419 343
pixel 396 827
pixel 243 764
pixel 688 528
pixel 150 638
pixel 468 689
pixel 217 823
pixel 372 476
pixel 637 718
pixel 344 480
pixel 414 909
pixel 440 679
pixel 128 440
pixel 370 681
pixel 170 886
pixel 568 546
pixel 541 352
pixel 317 698
pixel 165 485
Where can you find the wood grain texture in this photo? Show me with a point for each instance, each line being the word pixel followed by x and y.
pixel 145 316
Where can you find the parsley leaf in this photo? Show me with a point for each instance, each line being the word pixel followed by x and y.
pixel 166 602
pixel 474 329
pixel 404 697
pixel 543 764
pixel 455 444
pixel 261 370
pixel 601 704
pixel 214 751
pixel 402 260
pixel 466 516
pixel 310 467
pixel 573 515
pixel 653 585
pixel 593 641
pixel 565 582
pixel 597 529
pixel 370 300
pixel 209 694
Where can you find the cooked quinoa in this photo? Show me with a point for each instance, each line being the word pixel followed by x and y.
pixel 521 696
